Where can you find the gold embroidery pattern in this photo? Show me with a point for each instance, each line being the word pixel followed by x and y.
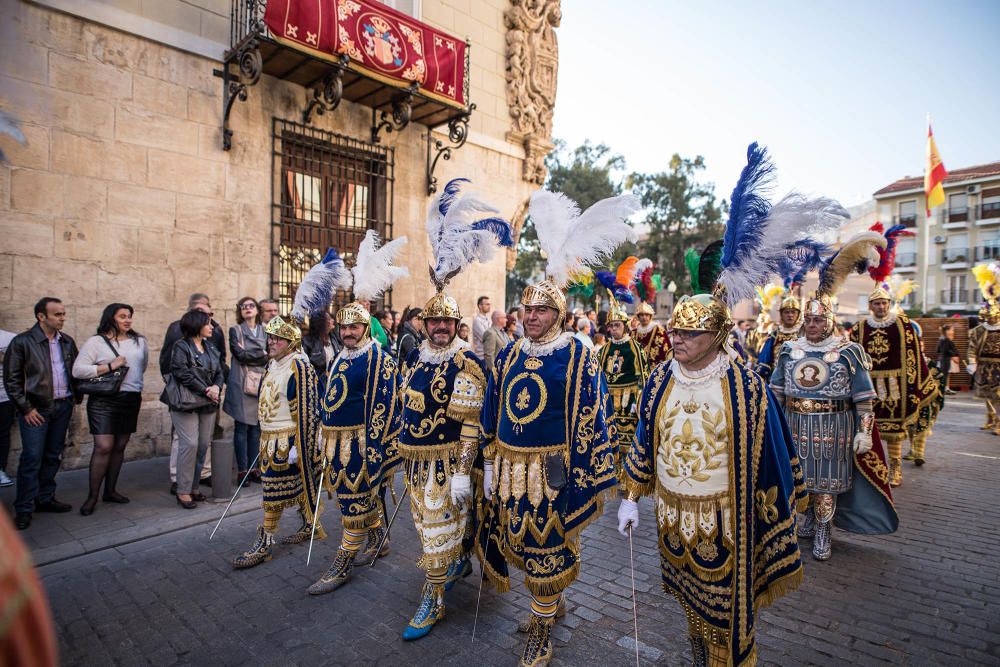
pixel 690 457
pixel 428 424
pixel 525 398
pixel 268 402
pixel 767 504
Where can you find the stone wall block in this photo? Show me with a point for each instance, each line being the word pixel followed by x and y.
pixel 155 130
pixel 159 96
pixel 110 245
pixel 154 248
pixel 186 174
pixel 189 251
pixel 247 185
pixel 75 282
pixel 4 187
pixel 205 107
pixel 34 153
pixel 25 234
pixel 77 155
pixel 124 163
pixel 205 215
pixel 138 286
pixel 137 205
pixel 85 198
pixel 57 108
pixel 242 255
pixel 29 62
pixel 257 285
pixel 36 191
pixel 89 78
pixel 6 288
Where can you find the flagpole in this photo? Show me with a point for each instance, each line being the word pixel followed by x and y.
pixel 927 246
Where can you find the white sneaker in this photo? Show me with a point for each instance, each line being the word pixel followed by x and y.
pixel 5 480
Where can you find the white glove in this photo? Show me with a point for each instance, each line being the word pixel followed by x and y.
pixel 461 489
pixel 293 454
pixel 628 515
pixel 862 443
pixel 488 479
pixel 971 368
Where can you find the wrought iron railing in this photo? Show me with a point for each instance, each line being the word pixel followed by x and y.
pixel 954 255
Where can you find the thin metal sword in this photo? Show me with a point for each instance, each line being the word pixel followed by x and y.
pixel 312 534
pixel 231 500
pixel 486 553
pixel 635 612
pixel 385 535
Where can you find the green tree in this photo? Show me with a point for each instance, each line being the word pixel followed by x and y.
pixel 586 174
pixel 681 212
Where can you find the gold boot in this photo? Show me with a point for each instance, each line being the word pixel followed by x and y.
pixel 258 553
pixel 895 472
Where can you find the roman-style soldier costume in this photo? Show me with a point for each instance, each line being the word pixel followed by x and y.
pixel 442 389
pixel 984 344
pixel 652 336
pixel 779 336
pixel 550 458
pixel 288 410
pixel 903 383
pixel 623 361
pixel 827 395
pixel 360 418
pixel 712 447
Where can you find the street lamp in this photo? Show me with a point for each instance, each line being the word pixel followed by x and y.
pixel 672 288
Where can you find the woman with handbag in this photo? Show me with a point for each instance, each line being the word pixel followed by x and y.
pixel 193 392
pixel 109 372
pixel 248 344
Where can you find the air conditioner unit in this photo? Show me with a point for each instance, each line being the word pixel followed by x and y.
pixel 972 189
pixel 940 239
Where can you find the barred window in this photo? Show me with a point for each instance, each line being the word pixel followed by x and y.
pixel 328 191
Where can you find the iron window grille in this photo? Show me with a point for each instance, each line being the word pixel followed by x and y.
pixel 328 191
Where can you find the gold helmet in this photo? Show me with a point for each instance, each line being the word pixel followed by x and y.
pixel 702 312
pixel 548 294
pixel 441 306
pixel 644 309
pixel 878 293
pixel 282 329
pixel 790 302
pixel 617 312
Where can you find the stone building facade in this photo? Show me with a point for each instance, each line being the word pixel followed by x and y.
pixel 123 191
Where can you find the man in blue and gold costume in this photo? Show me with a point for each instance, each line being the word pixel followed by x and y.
pixel 442 389
pixel 787 329
pixel 288 411
pixel 624 363
pixel 550 459
pixel 712 447
pixel 360 424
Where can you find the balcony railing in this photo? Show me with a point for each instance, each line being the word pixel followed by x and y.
pixel 906 259
pixel 990 210
pixel 954 297
pixel 906 220
pixel 954 255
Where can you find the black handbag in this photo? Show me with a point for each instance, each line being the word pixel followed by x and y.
pixel 180 398
pixel 108 384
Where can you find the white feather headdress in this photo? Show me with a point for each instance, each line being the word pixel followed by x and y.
pixel 574 241
pixel 373 270
pixel 462 230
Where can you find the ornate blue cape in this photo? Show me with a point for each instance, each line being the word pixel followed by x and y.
pixel 765 488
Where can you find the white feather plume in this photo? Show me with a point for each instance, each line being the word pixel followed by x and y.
pixel 463 230
pixel 574 241
pixel 795 219
pixel 373 270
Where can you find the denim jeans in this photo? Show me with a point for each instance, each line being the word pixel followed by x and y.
pixel 246 442
pixel 6 422
pixel 41 454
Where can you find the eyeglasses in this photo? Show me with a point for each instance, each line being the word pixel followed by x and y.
pixel 247 306
pixel 685 333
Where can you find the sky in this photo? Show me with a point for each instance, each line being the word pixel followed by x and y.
pixel 838 91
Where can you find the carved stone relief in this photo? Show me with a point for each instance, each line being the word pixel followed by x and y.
pixel 532 68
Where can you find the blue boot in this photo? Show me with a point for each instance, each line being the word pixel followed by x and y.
pixel 430 611
pixel 458 569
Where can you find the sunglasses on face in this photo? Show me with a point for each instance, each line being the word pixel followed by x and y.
pixel 685 333
pixel 247 306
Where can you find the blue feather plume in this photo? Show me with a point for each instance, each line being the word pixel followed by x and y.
pixel 315 292
pixel 748 207
pixel 499 228
pixel 802 257
pixel 451 191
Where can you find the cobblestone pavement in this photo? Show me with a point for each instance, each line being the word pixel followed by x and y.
pixel 927 595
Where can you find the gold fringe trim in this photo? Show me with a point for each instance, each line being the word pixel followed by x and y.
pixel 499 582
pixel 440 560
pixel 360 429
pixel 440 452
pixel 528 454
pixel 461 413
pixel 359 522
pixel 280 505
pixel 554 585
pixel 778 588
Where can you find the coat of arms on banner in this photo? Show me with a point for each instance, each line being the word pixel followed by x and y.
pixel 381 43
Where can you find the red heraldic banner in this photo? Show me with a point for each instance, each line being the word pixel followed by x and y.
pixel 383 43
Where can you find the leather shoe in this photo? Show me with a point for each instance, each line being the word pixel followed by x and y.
pixel 22 520
pixel 198 497
pixel 188 504
pixel 53 506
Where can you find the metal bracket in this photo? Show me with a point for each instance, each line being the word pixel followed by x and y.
pixel 402 110
pixel 329 96
pixel 458 134
pixel 234 87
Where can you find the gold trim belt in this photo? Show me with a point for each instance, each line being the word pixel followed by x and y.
pixel 812 406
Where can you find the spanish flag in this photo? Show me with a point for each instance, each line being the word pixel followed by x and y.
pixel 935 174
